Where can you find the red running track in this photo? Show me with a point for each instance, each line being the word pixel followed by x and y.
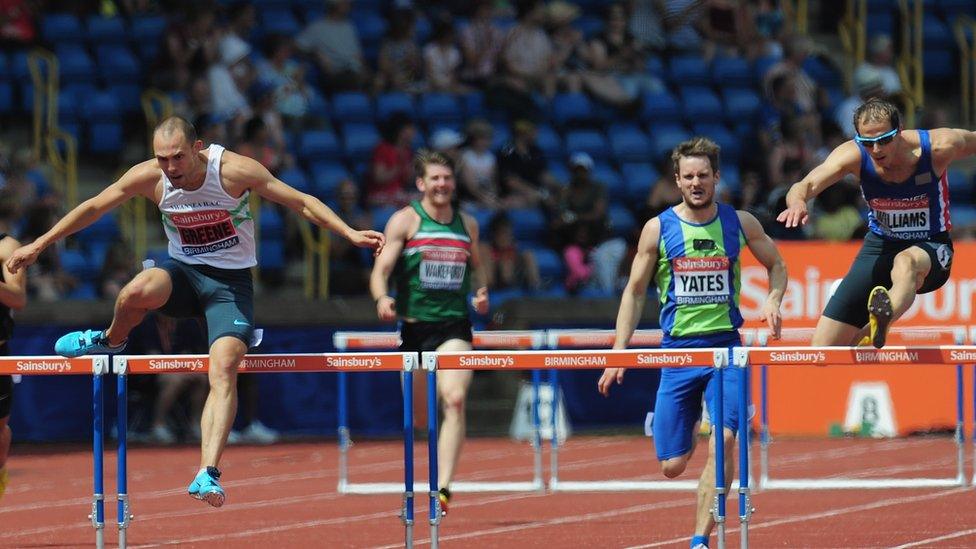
pixel 285 495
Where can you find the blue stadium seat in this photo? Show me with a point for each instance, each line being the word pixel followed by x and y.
pixel 6 96
pixel 62 29
pixel 551 267
pixel 622 221
pixel 936 33
pixel 474 104
pixel 501 136
pixel 326 177
pixel 660 107
pixel 351 107
pixel 822 71
pixel 591 142
pixel 316 145
pixel 951 9
pixel 611 180
pixel 271 254
pixel 701 104
pixel 629 144
pixel 664 138
pixel 100 106
pixel 106 30
pixel 359 141
pixel 279 21
pixel 271 223
pixel 550 142
pixel 146 32
pixel 296 177
pixel 731 178
pixel 559 171
pixel 528 224
pixel 940 64
pixel 732 71
pixel 589 25
pixel 381 215
pixel 740 104
pixel 117 64
pixel 881 21
pixel 104 117
pixel 128 96
pixel 962 190
pixel 655 66
pixel 392 102
pixel 483 217
pixel 638 178
pixel 762 65
pixel 963 216
pixel 731 149
pixel 370 25
pixel 76 66
pixel 440 107
pixel 688 70
pixel 571 109
pixel 104 229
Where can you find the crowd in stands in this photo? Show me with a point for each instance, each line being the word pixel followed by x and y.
pixel 559 115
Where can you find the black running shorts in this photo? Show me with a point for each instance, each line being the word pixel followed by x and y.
pixel 428 336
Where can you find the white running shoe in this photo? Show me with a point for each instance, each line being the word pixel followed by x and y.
pixel 259 433
pixel 162 435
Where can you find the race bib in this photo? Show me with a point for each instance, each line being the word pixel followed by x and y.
pixel 205 231
pixel 899 217
pixel 443 269
pixel 700 280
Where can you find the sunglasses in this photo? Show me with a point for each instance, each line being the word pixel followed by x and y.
pixel 882 139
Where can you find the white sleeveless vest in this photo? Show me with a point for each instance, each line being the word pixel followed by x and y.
pixel 207 226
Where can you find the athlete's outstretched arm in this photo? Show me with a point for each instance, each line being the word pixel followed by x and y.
pixel 13 288
pixel 950 144
pixel 396 233
pixel 241 171
pixel 844 160
pixel 633 298
pixel 139 180
pixel 766 252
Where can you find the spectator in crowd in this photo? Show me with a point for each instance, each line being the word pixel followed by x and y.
pixel 391 167
pixel 645 22
pixel 663 194
pixel 212 129
pixel 292 94
pixel 771 24
pixel 524 179
pixel 569 51
pixel 792 154
pixel 254 431
pixel 229 80
pixel 190 46
pixel 592 254
pixel 617 74
pixel 481 42
pixel 176 336
pixel 241 21
pixel 448 142
pixel 478 172
pixel 348 266
pixel 262 98
pixel 838 218
pixel 334 44
pixel 682 20
pixel 526 65
pixel 400 64
pixel 199 98
pixel 868 83
pixel 880 60
pixel 257 144
pixel 506 264
pixel 17 25
pixel 442 58
pixel 725 25
pixel 795 51
pixel 118 269
pixel 47 280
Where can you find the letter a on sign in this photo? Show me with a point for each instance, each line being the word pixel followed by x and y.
pixel 870 410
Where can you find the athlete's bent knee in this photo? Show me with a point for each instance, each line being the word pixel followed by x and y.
pixel 672 468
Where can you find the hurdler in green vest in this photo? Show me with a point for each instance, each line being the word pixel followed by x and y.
pixel 432 252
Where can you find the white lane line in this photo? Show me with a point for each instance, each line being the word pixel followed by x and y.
pixel 935 540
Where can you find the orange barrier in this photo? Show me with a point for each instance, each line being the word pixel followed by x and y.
pixel 313 362
pixel 573 360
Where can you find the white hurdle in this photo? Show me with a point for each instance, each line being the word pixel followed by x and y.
pixel 936 350
pixel 500 339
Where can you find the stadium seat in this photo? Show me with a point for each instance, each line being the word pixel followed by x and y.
pixel 741 104
pixel 326 177
pixel 629 144
pixel 370 25
pixel 591 142
pixel 726 139
pixel 146 32
pixel 961 188
pixel 622 221
pixel 732 71
pixel 611 180
pixel 440 107
pixel 664 138
pixel 940 64
pixel 271 254
pixel 638 178
pixel 393 102
pixel 881 21
pixel 76 66
pixel 117 64
pixel 316 145
pixel 296 178
pixel 551 267
pixel 501 137
pixel 62 29
pixel 700 104
pixel 660 107
pixel 589 25
pixel 106 30
pixel 381 215
pixel 571 109
pixel 474 105
pixel 550 142
pixel 271 223
pixel 528 224
pixel 351 107
pixel 824 73
pixel 104 118
pixel 278 21
pixel 936 33
pixel 359 141
pixel 762 65
pixel 688 70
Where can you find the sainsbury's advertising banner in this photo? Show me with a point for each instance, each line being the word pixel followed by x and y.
pixel 815 400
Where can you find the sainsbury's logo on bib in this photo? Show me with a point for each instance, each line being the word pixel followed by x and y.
pixel 701 280
pixel 902 218
pixel 205 231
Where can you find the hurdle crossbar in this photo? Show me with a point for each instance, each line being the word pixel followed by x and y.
pixel 96 366
pixel 940 345
pixel 266 363
pixel 495 339
pixel 604 339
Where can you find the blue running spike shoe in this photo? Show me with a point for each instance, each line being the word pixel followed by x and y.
pixel 89 342
pixel 206 487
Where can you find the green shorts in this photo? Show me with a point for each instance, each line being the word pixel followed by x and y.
pixel 872 267
pixel 225 297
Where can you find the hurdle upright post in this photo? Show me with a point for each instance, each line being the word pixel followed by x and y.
pixel 430 363
pixel 718 428
pixel 741 360
pixel 408 495
pixel 123 511
pixel 99 368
